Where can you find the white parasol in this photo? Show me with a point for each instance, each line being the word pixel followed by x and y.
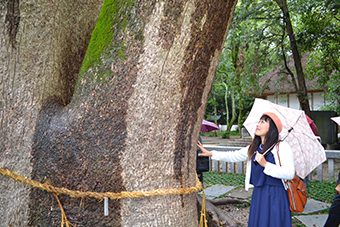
pixel 336 120
pixel 308 151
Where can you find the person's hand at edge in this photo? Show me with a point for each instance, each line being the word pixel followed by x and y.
pixel 205 152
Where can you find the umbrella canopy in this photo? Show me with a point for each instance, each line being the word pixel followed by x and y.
pixel 308 152
pixel 208 126
pixel 336 120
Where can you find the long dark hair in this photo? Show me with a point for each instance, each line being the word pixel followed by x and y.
pixel 271 138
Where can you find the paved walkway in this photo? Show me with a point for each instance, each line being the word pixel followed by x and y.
pixel 310 216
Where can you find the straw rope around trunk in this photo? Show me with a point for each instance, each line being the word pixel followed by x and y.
pixel 99 195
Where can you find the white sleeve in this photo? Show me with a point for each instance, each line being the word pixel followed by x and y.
pixel 287 169
pixel 231 156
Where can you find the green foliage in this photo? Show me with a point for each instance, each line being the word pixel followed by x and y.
pixel 226 135
pixel 112 19
pixel 222 134
pixel 247 55
pixel 317 34
pixel 322 190
pixel 211 178
pixel 215 109
pixel 256 43
pixel 211 134
pixel 333 93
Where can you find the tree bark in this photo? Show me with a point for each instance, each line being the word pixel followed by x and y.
pixel 130 122
pixel 302 89
pixel 42 44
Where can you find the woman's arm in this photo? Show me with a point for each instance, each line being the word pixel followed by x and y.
pixel 287 168
pixel 230 156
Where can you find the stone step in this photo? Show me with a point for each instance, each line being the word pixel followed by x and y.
pixel 236 143
pixel 232 142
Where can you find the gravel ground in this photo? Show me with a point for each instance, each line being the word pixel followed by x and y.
pixel 236 211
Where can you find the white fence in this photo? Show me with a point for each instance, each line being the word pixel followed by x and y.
pixel 239 167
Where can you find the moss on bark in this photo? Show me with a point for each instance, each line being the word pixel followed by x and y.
pixel 112 19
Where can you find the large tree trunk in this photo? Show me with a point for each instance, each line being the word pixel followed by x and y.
pixel 130 123
pixel 302 89
pixel 42 45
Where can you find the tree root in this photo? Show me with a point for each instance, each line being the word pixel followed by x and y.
pixel 215 216
pixel 225 201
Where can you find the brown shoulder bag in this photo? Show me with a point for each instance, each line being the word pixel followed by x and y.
pixel 297 192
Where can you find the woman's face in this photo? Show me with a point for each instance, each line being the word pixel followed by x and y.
pixel 262 127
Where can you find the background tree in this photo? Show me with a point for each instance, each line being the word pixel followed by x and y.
pixel 261 29
pixel 129 123
pixel 276 26
pixel 243 60
pixel 215 110
pixel 300 86
pixel 226 79
pixel 317 35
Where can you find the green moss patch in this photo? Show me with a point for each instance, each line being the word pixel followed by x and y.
pixel 112 18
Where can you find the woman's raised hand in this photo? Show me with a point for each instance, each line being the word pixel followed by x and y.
pixel 205 152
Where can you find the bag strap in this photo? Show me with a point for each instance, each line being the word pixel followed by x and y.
pixel 278 153
pixel 285 185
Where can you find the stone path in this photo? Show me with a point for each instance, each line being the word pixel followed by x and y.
pixel 307 217
pixel 217 190
pixel 313 220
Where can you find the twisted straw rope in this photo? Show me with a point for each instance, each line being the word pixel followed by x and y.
pixel 64 220
pixel 99 195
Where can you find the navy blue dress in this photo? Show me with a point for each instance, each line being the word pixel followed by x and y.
pixel 269 203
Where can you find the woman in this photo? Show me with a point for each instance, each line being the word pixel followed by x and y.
pixel 269 203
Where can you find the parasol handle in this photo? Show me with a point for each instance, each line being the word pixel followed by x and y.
pixel 264 153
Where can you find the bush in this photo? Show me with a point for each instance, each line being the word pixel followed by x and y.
pixel 222 134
